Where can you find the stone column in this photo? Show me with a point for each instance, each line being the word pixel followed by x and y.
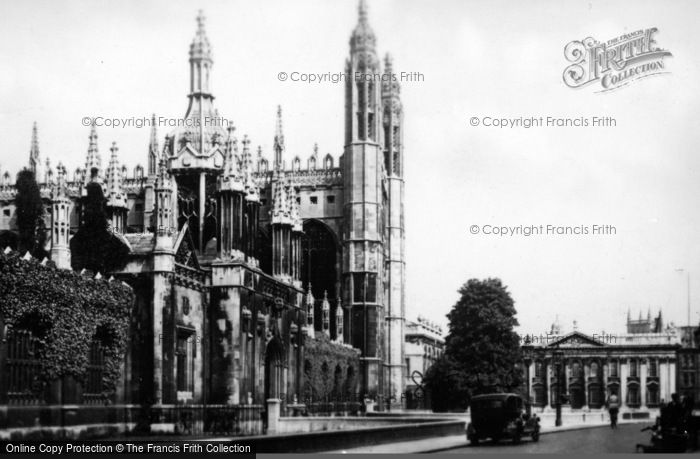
pixel 664 393
pixel 531 374
pixel 549 375
pixel 606 374
pixel 624 368
pixel 586 374
pixel 672 374
pixel 643 368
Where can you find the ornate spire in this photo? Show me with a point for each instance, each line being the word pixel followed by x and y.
pixel 231 178
pixel 326 312
pixel 280 202
pixel 93 162
pixel 115 193
pixel 294 212
pixel 153 149
pixel 60 190
pixel 339 316
pixel 200 47
pixel 313 160
pixel 48 172
pixel 34 159
pixel 279 140
pixel 363 38
pixel 310 301
pixel 163 179
pixel 251 188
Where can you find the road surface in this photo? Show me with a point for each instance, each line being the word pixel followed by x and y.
pixel 587 441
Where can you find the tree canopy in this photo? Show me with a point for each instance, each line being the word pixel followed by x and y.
pixel 94 247
pixel 30 215
pixel 482 349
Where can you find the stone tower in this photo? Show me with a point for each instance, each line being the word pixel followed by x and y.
pixel 392 123
pixel 364 205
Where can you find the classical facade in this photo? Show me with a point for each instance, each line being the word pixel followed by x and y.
pixel 639 366
pixel 234 257
pixel 425 344
pixel 689 363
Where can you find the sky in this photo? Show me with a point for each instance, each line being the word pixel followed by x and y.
pixel 65 60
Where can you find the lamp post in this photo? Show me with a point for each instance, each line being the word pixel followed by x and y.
pixel 688 273
pixel 557 357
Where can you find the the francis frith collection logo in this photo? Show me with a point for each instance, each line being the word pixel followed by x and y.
pixel 614 63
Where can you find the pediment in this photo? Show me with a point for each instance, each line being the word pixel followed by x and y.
pixel 575 339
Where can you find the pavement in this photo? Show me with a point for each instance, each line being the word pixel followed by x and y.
pixel 454 442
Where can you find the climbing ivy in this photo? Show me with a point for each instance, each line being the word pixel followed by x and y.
pixel 66 312
pixel 322 358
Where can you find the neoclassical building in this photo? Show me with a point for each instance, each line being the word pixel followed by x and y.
pixel 639 366
pixel 234 251
pixel 425 344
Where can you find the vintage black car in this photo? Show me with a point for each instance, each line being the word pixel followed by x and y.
pixel 498 416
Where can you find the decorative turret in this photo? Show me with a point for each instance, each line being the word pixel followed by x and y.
pixel 297 232
pixel 231 208
pixel 117 205
pixel 279 141
pixel 326 314
pixel 281 230
pixel 251 188
pixel 313 159
pixel 339 317
pixel 60 221
pixel 93 161
pixel 48 172
pixel 310 302
pixel 232 178
pixel 34 157
pixel 280 202
pixel 363 111
pixel 164 224
pixel 363 38
pixel 153 149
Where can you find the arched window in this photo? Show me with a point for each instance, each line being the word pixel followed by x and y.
pixel 594 369
pixel 318 266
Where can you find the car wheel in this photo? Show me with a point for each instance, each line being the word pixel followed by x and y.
pixel 516 438
pixel 535 436
pixel 473 440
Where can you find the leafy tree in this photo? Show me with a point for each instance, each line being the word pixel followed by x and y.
pixel 30 214
pixel 447 385
pixel 481 341
pixel 94 247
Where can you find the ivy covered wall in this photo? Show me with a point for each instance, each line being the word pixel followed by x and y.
pixel 331 370
pixel 66 312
